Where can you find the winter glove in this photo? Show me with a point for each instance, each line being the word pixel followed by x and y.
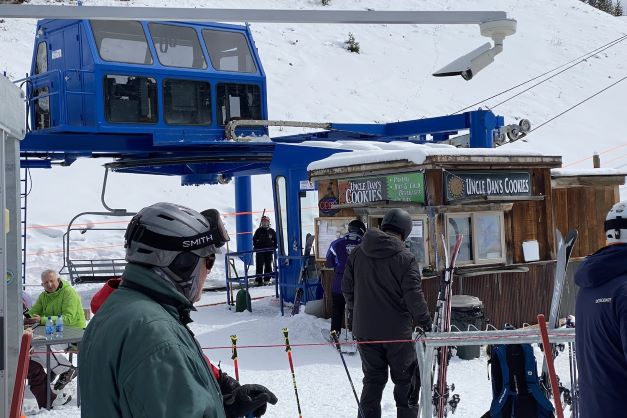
pixel 227 384
pixel 248 399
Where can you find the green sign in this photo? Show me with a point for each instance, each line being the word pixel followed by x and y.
pixel 406 187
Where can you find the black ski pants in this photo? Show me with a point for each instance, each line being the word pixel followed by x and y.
pixel 338 304
pixel 400 358
pixel 263 265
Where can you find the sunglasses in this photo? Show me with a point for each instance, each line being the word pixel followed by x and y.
pixel 210 261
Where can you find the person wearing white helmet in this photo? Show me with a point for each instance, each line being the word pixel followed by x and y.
pixel 138 358
pixel 601 311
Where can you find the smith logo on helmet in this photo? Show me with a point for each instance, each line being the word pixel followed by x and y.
pixel 205 239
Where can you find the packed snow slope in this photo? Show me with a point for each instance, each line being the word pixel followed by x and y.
pixel 312 77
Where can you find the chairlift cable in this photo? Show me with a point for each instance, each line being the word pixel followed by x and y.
pixel 578 60
pixel 578 104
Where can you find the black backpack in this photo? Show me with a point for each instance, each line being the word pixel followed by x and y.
pixel 516 388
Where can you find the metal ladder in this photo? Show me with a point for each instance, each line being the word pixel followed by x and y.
pixel 24 185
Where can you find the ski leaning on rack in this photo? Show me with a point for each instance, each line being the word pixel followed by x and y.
pixel 302 277
pixel 564 250
pixel 442 323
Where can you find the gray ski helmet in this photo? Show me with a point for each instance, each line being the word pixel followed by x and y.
pixel 398 221
pixel 357 227
pixel 616 223
pixel 160 232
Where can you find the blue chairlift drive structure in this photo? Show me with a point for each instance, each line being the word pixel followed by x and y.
pixel 158 97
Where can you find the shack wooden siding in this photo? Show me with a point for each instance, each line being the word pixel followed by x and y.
pixel 513 298
pixel 584 208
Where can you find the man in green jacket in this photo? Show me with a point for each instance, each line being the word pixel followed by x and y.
pixel 138 358
pixel 58 299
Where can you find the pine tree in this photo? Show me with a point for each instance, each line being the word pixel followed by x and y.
pixel 604 5
pixel 618 9
pixel 351 44
pixel 326 2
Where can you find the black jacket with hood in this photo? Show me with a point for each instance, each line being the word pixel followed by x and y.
pixel 601 340
pixel 383 289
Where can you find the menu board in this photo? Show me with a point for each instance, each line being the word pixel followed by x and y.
pixel 327 231
pixel 405 187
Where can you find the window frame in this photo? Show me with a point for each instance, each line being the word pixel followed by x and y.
pixel 474 253
pixel 282 199
pixel 165 109
pixel 198 40
pixel 104 97
pixel 37 56
pixel 218 106
pixel 98 47
pixel 248 45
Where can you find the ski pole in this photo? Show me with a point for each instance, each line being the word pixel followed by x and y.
pixel 339 350
pixel 234 356
pixel 288 349
pixel 548 355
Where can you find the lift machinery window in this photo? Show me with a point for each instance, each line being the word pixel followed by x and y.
pixel 130 99
pixel 187 102
pixel 177 46
pixel 229 51
pixel 238 101
pixel 121 41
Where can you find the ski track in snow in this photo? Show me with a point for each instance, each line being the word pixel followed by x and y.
pixel 310 77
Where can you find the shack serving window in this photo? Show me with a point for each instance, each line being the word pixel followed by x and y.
pixel 416 242
pixel 187 102
pixel 177 46
pixel 130 99
pixel 484 237
pixel 229 51
pixel 121 41
pixel 238 101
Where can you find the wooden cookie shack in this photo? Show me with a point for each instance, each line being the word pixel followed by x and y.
pixel 506 203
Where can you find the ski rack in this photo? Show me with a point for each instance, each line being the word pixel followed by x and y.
pixel 434 340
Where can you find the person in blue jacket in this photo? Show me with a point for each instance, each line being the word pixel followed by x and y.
pixel 601 312
pixel 337 255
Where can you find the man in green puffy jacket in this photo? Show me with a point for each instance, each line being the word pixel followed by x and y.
pixel 58 298
pixel 137 357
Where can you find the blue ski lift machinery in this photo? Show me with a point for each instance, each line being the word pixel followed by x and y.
pixel 190 99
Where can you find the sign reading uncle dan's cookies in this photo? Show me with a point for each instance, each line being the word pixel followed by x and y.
pixel 460 185
pixel 406 187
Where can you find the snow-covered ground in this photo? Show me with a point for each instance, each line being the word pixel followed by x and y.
pixel 311 77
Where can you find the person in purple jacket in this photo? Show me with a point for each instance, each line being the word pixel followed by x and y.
pixel 337 255
pixel 601 312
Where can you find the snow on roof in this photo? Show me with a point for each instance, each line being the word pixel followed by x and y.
pixel 364 152
pixel 572 172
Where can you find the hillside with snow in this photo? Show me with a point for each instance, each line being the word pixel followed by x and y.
pixel 312 77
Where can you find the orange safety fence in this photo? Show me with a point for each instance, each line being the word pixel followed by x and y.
pixel 600 153
pixel 89 224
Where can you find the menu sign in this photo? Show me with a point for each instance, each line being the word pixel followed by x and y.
pixel 406 187
pixel 458 185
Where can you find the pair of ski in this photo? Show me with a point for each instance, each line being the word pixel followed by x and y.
pixel 442 397
pixel 549 379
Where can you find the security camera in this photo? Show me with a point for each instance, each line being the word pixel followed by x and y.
pixel 470 64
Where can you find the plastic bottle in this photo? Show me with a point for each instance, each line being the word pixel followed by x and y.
pixel 59 326
pixel 49 329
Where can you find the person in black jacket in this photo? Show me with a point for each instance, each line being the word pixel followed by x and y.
pixel 383 292
pixel 264 239
pixel 601 311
